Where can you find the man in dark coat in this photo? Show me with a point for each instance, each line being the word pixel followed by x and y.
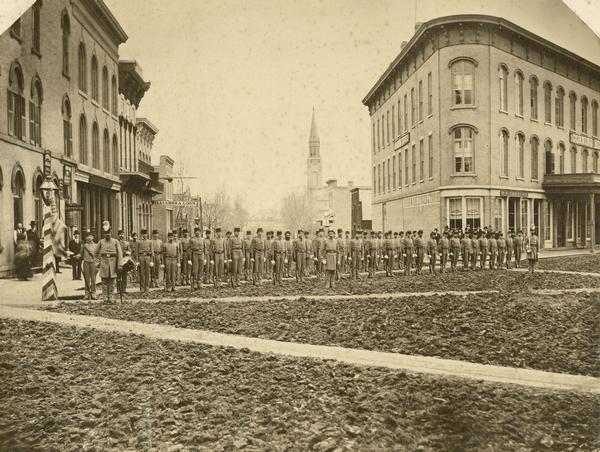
pixel 75 247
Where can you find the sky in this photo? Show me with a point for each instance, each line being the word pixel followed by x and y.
pixel 234 82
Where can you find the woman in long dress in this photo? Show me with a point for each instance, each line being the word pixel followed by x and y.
pixel 23 255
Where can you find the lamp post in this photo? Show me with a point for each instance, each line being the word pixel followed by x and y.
pixel 49 290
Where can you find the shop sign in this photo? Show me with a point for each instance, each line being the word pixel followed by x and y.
pixel 67 178
pixel 403 140
pixel 513 194
pixel 47 164
pixel 585 141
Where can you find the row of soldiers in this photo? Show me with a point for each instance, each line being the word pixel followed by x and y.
pixel 203 258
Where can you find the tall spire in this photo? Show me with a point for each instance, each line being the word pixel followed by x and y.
pixel 313 141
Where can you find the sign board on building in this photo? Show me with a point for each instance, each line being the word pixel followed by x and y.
pixel 585 141
pixel 403 140
pixel 67 179
pixel 47 164
pixel 513 194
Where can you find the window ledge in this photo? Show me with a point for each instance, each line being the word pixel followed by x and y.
pixel 533 119
pixel 431 178
pixel 95 103
pixel 503 112
pixel 421 181
pixel 463 175
pixel 560 127
pixel 67 76
pixel 106 111
pixel 504 177
pixel 83 94
pixel 16 37
pixel 534 180
pixel 520 178
pixel 420 121
pixel 36 52
pixel 430 115
pixel 463 107
pixel 519 116
pixel 547 123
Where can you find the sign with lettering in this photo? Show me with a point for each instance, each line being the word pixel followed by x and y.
pixel 514 194
pixel 422 200
pixel 403 140
pixel 585 141
pixel 47 164
pixel 67 177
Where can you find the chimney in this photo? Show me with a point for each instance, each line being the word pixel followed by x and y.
pixel 417 26
pixel 402 45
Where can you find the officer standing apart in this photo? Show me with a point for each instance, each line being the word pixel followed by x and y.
pixel 330 250
pixel 145 253
pixel 237 257
pixel 197 251
pixel 111 256
pixel 300 250
pixel 532 247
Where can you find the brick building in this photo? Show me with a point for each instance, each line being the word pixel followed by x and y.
pixel 480 122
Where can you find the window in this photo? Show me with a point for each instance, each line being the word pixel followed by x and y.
pixel 67 129
pixel 413 156
pixel 378 140
pixel 17 122
pixel 400 169
pixel 570 220
pixel 595 162
pixel 35 37
pixel 394 172
pixel 113 95
pixel 374 138
pixel 383 171
pixel 549 157
pixel 524 215
pixel 379 178
pixel 533 98
pixel 38 180
pixel 375 179
pixel 393 122
pixel 15 29
pixel 94 75
pixel 594 118
pixel 462 82
pixel 573 159
pixel 535 144
pixel 519 93
pixel 584 160
pixel 83 141
pixel 584 114
pixel 95 146
pixel 35 117
pixel 82 76
pixel 429 95
pixel 430 151
pixel 420 100
pixel 503 82
pixel 561 158
pixel 548 222
pixel 412 107
pixel 389 182
pixel 547 102
pixel 559 112
pixel 504 152
pixel 406 167
pixel 405 112
pixel 65 24
pixel 455 213
pixel 463 150
pixel 18 195
pixel 399 118
pixel 106 152
pixel 105 88
pixel 421 160
pixel 572 110
pixel 498 202
pixel 520 155
pixel 473 213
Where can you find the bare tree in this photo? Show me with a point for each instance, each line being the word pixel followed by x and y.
pixel 239 214
pixel 296 211
pixel 216 210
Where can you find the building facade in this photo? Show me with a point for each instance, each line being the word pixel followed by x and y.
pixel 145 133
pixel 163 205
pixel 480 122
pixel 58 69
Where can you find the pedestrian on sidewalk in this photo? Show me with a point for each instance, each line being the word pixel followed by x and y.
pixel 22 257
pixel 90 269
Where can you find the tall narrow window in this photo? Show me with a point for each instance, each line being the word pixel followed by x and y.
pixel 94 75
pixel 559 112
pixel 519 93
pixel 595 162
pixel 65 24
pixel 105 89
pixel 533 97
pixel 572 110
pixel 463 72
pixel 594 118
pixel 16 103
pixel 455 213
pixel 406 176
pixel 106 152
pixel 412 107
pixel 413 158
pixel 430 152
pixel 399 118
pixel 547 102
pixel 378 135
pixel 473 213
pixel 393 122
pixel 113 95
pixel 83 141
pixel 374 138
pixel 561 158
pixel 504 152
pixel 421 160
pixel 520 155
pixel 405 112
pixel 383 171
pixel 549 157
pixel 420 100
pixel 82 66
pixel 584 160
pixel 503 82
pixel 535 144
pixel 463 150
pixel 35 37
pixel 67 129
pixel 429 95
pixel 35 114
pixel 394 171
pixel 400 169
pixel 95 146
pixel 573 160
pixel 389 183
pixel 584 114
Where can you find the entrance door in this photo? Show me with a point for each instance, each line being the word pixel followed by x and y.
pixel 561 223
pixel 513 214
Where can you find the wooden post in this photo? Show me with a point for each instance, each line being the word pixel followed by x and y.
pixel 592 222
pixel 49 289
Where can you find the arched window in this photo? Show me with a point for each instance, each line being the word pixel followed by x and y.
pixel 65 25
pixel 595 162
pixel 519 93
pixel 504 135
pixel 82 76
pixel 38 179
pixel 573 159
pixel 35 113
pixel 67 128
pixel 35 37
pixel 113 94
pixel 520 141
pixel 463 75
pixel 18 189
pixel 463 149
pixel 105 87
pixel 559 110
pixel 83 140
pixel 547 102
pixel 584 114
pixel 115 155
pixel 16 103
pixel 572 110
pixel 584 160
pixel 106 152
pixel 561 158
pixel 549 157
pixel 535 144
pixel 503 82
pixel 595 118
pixel 95 146
pixel 533 96
pixel 94 75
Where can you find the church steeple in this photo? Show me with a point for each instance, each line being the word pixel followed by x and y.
pixel 313 141
pixel 313 163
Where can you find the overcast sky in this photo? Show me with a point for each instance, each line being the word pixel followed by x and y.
pixel 234 81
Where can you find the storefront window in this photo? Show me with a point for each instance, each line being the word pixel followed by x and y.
pixel 524 216
pixel 455 213
pixel 498 214
pixel 474 213
pixel 548 222
pixel 569 221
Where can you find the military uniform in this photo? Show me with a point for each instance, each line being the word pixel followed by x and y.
pixel 318 256
pixel 467 250
pixel 372 247
pixel 156 261
pixel 518 246
pixel 341 262
pixel 171 254
pixel 145 252
pixel 186 258
pixel 88 254
pixel 532 247
pixel 483 248
pixel 501 251
pixel 408 252
pixel 287 257
pixel 475 253
pixel 419 243
pixel 509 250
pixel 258 254
pixel 444 249
pixel 455 249
pixel 210 263
pixel 388 255
pixel 278 253
pixel 493 251
pixel 356 257
pixel 218 253
pixel 198 260
pixel 126 250
pixel 236 245
pixel 269 261
pixel 300 251
pixel 248 261
pixel 110 254
pixel 329 250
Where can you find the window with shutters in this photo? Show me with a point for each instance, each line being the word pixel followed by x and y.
pixel 412 107
pixel 394 171
pixel 533 97
pixel 35 114
pixel 429 95
pixel 520 138
pixel 430 155
pixel 547 102
pixel 406 175
pixel 548 157
pixel 584 114
pixel 405 112
pixel 413 158
pixel 421 160
pixel 420 100
pixel 519 93
pixel 67 129
pixel 595 118
pixel 393 122
pixel 572 110
pixel 35 36
pixel 16 114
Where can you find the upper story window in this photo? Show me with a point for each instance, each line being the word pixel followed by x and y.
pixel 572 110
pixel 405 112
pixel 463 75
pixel 95 146
pixel 82 66
pixel 16 103
pixel 35 37
pixel 595 162
pixel 399 118
pixel 106 152
pixel 94 76
pixel 595 118
pixel 573 159
pixel 520 155
pixel 393 122
pixel 105 89
pixel 65 25
pixel 420 100
pixel 549 157
pixel 535 144
pixel 35 113
pixel 15 29
pixel 113 94
pixel 584 114
pixel 503 82
pixel 412 107
pixel 463 149
pixel 504 136
pixel 547 102
pixel 533 97
pixel 374 136
pixel 83 140
pixel 519 93
pixel 67 129
pixel 584 161
pixel 115 155
pixel 559 112
pixel 561 158
pixel 429 95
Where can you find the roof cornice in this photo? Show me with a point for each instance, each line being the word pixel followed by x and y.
pixel 99 9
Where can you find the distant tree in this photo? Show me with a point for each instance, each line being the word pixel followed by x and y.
pixel 239 215
pixel 216 210
pixel 296 212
